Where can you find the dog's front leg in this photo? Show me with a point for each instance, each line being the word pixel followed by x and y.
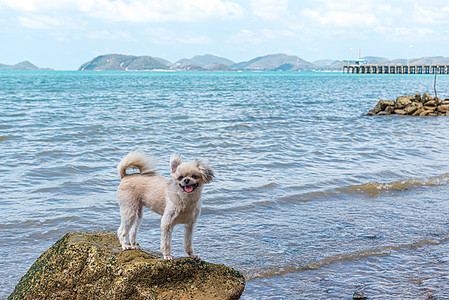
pixel 166 231
pixel 188 240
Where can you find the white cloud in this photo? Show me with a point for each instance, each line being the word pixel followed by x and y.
pixel 429 14
pixel 107 35
pixel 195 40
pixel 340 18
pixel 246 36
pixel 175 10
pixel 41 6
pixel 260 36
pixel 163 36
pixel 388 9
pixel 25 5
pixel 270 10
pixel 271 34
pixel 372 13
pixel 38 22
pixel 134 10
pixel 403 33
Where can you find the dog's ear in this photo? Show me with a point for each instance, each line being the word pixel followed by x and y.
pixel 175 161
pixel 206 172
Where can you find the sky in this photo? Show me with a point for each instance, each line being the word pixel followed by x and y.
pixel 64 34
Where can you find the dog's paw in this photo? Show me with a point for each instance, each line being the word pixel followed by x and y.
pixel 131 247
pixel 169 258
pixel 127 247
pixel 195 257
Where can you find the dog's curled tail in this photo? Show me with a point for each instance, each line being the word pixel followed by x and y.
pixel 136 160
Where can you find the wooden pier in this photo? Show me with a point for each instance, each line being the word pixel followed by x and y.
pixel 395 69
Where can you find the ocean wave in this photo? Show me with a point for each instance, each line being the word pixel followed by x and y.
pixel 293 267
pixel 370 189
pixel 48 221
pixel 374 189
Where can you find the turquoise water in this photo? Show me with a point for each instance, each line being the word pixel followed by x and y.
pixel 312 199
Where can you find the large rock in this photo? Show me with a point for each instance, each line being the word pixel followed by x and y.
pixel 418 112
pixel 443 108
pixel 91 265
pixel 401 102
pixel 418 97
pixel 429 107
pixel 426 97
pixel 400 112
pixel 409 110
pixel 383 104
pixel 430 103
pixel 412 106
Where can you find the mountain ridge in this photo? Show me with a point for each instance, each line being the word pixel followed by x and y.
pixel 275 62
pixel 121 62
pixel 209 62
pixel 270 62
pixel 23 65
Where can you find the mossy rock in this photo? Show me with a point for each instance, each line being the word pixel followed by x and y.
pixel 412 106
pixel 91 265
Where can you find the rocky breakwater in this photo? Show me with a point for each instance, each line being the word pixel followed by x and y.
pixel 417 106
pixel 91 265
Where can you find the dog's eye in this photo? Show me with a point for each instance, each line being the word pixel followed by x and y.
pixel 194 176
pixel 180 178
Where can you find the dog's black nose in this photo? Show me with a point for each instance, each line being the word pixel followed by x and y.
pixel 186 180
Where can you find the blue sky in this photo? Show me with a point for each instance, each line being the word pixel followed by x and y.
pixel 63 34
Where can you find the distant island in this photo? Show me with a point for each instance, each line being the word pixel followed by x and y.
pixel 24 65
pixel 209 62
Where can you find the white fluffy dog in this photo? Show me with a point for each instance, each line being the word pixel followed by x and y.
pixel 176 199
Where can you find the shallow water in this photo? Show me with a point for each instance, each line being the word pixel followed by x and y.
pixel 312 198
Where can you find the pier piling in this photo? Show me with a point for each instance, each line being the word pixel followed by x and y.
pixel 395 69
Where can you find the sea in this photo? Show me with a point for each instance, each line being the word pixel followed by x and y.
pixel 312 198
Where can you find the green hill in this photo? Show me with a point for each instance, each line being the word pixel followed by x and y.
pixel 118 62
pixel 207 61
pixel 24 65
pixel 275 62
pixel 222 68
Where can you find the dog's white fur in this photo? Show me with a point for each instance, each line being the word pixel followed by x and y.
pixel 176 199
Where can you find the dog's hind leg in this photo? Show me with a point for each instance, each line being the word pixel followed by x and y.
pixel 135 228
pixel 128 219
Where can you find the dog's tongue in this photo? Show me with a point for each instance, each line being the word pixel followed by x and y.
pixel 188 189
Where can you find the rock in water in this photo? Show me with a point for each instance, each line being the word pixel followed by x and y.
pixel 412 106
pixel 91 265
pixel 383 104
pixel 402 102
